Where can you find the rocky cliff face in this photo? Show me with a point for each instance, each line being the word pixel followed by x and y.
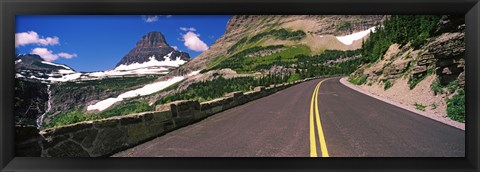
pixel 152 44
pixel 436 71
pixel 446 55
pixel 30 102
pixel 320 34
pixel 443 55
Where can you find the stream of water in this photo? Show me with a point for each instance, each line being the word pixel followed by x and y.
pixel 49 106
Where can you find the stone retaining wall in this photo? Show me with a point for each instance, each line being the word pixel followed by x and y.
pixel 107 136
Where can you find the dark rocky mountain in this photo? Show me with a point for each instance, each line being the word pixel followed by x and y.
pixel 30 102
pixel 153 43
pixel 34 62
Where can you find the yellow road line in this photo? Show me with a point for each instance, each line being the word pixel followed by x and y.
pixel 323 144
pixel 313 144
pixel 315 114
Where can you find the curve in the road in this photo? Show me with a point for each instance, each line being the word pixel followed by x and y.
pixel 280 125
pixel 315 116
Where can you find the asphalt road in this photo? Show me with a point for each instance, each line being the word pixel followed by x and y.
pixel 336 121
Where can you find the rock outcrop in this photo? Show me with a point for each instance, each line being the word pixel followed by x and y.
pixel 448 51
pixel 435 70
pixel 443 54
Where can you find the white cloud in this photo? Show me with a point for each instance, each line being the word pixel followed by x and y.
pixel 193 42
pixel 175 47
pixel 31 37
pixel 150 18
pixel 153 18
pixel 48 55
pixel 191 29
pixel 66 55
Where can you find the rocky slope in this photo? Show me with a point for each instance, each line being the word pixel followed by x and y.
pixel 428 77
pixel 320 34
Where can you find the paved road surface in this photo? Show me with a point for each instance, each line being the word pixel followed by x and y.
pixel 336 121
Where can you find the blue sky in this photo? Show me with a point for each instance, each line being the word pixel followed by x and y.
pixel 95 43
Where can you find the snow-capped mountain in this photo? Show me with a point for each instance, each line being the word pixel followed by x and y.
pixel 36 63
pixel 152 45
pixel 32 66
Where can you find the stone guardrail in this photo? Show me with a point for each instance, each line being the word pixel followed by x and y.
pixel 105 137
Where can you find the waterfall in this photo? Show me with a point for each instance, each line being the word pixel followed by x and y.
pixel 49 106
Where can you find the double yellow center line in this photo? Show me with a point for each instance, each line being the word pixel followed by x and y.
pixel 315 116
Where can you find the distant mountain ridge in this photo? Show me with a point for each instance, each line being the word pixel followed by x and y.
pixel 35 63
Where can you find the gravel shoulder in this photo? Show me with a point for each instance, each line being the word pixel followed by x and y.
pixel 411 108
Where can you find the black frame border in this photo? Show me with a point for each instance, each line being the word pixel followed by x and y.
pixel 10 8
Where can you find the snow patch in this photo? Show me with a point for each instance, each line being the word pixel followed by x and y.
pixel 65 78
pixel 63 71
pixel 145 90
pixel 141 71
pixel 54 64
pixel 348 39
pixel 194 73
pixel 153 63
pixel 18 61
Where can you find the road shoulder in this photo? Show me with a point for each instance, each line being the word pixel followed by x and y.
pixel 433 116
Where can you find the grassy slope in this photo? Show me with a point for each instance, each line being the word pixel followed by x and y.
pixel 255 41
pixel 119 85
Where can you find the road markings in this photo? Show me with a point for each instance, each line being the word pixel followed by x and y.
pixel 313 144
pixel 315 114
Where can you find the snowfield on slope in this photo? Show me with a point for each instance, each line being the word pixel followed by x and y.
pixel 145 90
pixel 55 64
pixel 146 71
pixel 65 78
pixel 151 67
pixel 152 63
pixel 348 39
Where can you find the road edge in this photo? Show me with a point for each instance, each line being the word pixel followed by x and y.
pixel 433 116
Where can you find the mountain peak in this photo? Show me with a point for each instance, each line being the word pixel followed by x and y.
pixel 152 40
pixel 29 56
pixel 152 44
